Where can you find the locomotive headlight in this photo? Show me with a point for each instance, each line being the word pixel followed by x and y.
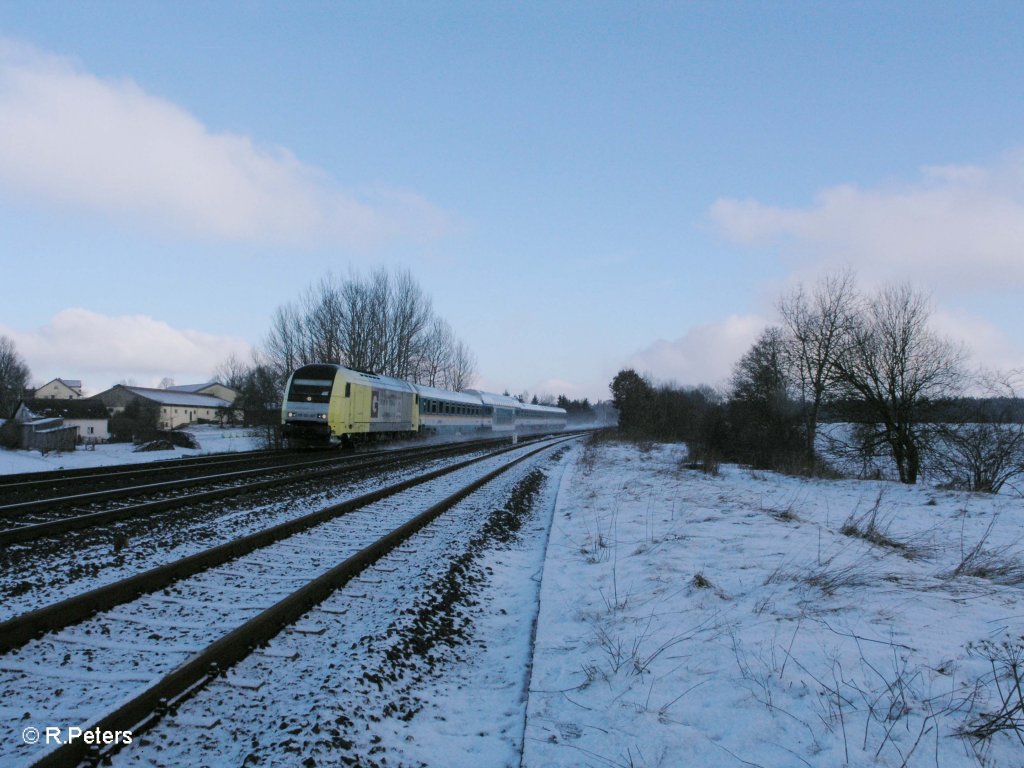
pixel 321 415
pixel 290 414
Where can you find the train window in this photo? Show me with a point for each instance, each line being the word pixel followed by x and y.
pixel 348 389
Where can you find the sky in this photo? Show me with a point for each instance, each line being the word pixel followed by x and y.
pixel 578 186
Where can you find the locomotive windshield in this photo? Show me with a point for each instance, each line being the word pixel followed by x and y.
pixel 312 384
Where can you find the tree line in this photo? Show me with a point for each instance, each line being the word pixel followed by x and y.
pixel 870 360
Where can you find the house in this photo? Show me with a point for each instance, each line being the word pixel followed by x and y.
pixel 43 433
pixel 88 416
pixel 176 408
pixel 60 389
pixel 213 388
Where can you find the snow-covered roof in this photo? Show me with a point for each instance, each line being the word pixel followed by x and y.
pixel 192 387
pixel 433 393
pixel 68 409
pixel 501 401
pixel 174 397
pixel 541 408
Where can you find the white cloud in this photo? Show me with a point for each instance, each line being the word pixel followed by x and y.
pixel 70 138
pixel 704 355
pixel 956 227
pixel 102 350
pixel 989 347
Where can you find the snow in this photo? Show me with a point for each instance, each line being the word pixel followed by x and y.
pixel 696 620
pixel 211 438
pixel 646 615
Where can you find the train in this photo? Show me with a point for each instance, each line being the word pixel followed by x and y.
pixel 329 404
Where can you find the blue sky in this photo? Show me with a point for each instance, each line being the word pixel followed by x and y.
pixel 578 186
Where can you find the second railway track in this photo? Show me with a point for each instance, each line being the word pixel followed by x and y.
pixel 48 516
pixel 66 563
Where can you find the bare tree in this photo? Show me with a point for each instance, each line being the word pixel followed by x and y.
pixel 283 345
pixel 435 354
pixel 815 326
pixel 462 370
pixel 896 368
pixel 323 313
pixel 231 372
pixel 14 375
pixel 378 323
pixel 407 325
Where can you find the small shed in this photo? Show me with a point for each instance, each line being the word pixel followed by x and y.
pixel 89 416
pixel 44 433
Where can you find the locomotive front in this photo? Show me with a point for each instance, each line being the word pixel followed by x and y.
pixel 305 418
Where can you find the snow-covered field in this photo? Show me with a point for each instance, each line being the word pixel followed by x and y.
pixel 212 439
pixel 726 621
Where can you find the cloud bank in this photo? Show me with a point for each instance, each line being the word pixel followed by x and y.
pixel 704 355
pixel 102 350
pixel 71 139
pixel 958 227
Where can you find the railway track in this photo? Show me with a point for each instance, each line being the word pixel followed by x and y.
pixel 28 485
pixel 138 657
pixel 25 521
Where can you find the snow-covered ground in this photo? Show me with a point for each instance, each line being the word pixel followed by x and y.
pixel 212 439
pixel 726 621
pixel 744 619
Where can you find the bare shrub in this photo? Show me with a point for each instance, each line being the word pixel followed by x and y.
pixel 827 575
pixel 1001 564
pixel 702 458
pixel 872 527
pixel 700 581
pixel 981 446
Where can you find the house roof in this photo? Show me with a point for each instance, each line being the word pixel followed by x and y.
pixel 69 383
pixel 192 387
pixel 176 397
pixel 66 409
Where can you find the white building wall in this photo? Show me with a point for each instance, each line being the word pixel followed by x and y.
pixel 57 390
